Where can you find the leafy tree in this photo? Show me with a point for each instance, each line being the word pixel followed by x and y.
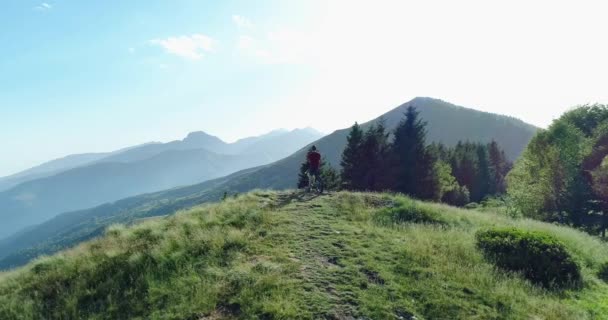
pixel 352 175
pixel 448 190
pixel 600 189
pixel 559 178
pixel 595 168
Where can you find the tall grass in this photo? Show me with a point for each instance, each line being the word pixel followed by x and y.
pixel 273 255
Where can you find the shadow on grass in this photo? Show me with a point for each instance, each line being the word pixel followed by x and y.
pixel 299 196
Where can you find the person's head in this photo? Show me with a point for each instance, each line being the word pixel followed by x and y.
pixel 314 148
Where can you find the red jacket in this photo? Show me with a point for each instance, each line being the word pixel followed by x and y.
pixel 314 159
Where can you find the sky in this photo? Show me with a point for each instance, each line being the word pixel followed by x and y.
pixel 93 76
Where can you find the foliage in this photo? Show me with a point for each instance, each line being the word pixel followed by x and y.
pixel 467 172
pixel 559 177
pixel 408 211
pixel 448 190
pixel 331 178
pixel 538 256
pixel 303 175
pixel 351 176
pixel 375 157
pixel 499 166
pixel 413 163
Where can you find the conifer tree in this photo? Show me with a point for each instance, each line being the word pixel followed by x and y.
pixel 412 162
pixel 351 175
pixel 303 175
pixel 373 162
pixel 499 168
pixel 482 177
pixel 330 177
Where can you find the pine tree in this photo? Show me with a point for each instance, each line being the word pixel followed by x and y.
pixel 373 161
pixel 303 175
pixel 465 166
pixel 499 168
pixel 351 175
pixel 330 177
pixel 483 176
pixel 413 163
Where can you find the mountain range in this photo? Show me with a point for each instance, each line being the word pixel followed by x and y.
pixel 447 123
pixel 87 180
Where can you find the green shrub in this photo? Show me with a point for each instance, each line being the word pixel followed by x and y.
pixel 472 206
pixel 603 273
pixel 407 210
pixel 458 196
pixel 538 256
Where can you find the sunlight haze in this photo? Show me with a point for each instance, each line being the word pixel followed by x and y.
pixel 100 76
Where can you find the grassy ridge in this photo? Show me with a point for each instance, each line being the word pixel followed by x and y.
pixel 273 255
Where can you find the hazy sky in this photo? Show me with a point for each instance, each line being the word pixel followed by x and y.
pixel 87 76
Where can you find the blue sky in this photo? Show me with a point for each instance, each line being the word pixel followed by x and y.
pixel 91 76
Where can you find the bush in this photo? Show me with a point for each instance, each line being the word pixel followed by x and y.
pixel 603 273
pixel 407 210
pixel 458 196
pixel 538 256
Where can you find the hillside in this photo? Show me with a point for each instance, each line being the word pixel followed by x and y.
pixel 50 168
pixel 447 123
pixel 57 166
pixel 68 229
pixel 39 200
pixel 141 169
pixel 291 255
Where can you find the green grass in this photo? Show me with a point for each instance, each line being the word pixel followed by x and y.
pixel 270 255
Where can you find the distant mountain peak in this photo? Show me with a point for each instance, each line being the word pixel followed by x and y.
pixel 201 139
pixel 308 130
pixel 201 136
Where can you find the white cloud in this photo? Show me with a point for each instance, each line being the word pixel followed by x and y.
pixel 189 47
pixel 241 21
pixel 43 7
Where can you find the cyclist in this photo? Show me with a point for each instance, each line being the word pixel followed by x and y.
pixel 314 165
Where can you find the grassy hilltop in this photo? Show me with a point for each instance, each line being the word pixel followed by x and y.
pixel 287 255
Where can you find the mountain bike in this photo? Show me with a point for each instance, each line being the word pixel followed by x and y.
pixel 315 183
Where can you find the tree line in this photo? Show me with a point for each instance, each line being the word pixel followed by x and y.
pixel 400 160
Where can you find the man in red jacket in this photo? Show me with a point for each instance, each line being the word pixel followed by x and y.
pixel 314 164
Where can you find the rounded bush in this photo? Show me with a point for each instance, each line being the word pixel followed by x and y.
pixel 536 255
pixel 409 211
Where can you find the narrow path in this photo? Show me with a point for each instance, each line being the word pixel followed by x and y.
pixel 316 242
